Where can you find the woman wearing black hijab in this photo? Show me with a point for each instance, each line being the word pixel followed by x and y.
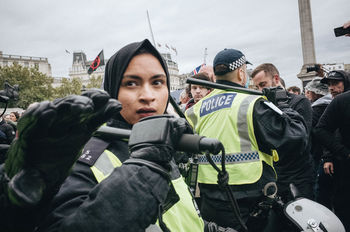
pixel 130 197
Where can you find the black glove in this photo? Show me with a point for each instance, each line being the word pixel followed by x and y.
pixel 277 96
pixel 213 227
pixel 51 136
pixel 155 138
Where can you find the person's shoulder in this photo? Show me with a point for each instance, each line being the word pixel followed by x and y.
pixel 263 106
pixel 7 126
pixel 92 151
pixel 345 95
pixel 340 101
pixel 298 97
pixel 298 101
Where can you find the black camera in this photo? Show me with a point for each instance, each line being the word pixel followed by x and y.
pixel 339 31
pixel 316 68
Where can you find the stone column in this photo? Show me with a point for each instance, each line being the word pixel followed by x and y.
pixel 307 41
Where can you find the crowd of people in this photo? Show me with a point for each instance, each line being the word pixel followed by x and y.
pixel 59 174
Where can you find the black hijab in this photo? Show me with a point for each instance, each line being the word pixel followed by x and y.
pixel 118 63
pixel 116 67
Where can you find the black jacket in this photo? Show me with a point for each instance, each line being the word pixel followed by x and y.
pixel 318 107
pixel 336 116
pixel 295 165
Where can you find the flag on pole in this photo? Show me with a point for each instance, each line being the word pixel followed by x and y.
pixel 99 60
pixel 196 70
pixel 174 49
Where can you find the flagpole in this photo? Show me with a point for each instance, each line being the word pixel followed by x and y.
pixel 205 55
pixel 150 28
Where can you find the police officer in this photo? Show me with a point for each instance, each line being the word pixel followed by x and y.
pixel 147 191
pixel 251 130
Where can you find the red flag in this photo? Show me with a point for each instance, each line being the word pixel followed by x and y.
pixel 99 60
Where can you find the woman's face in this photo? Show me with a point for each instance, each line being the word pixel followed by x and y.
pixel 13 117
pixel 143 90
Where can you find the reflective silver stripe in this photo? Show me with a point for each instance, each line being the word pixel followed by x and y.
pixel 153 228
pixel 242 123
pixel 104 165
pixel 191 116
pixel 231 158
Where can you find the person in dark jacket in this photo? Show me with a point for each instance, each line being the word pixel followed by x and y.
pixel 111 189
pixel 320 98
pixel 292 167
pixel 7 133
pixel 338 82
pixel 251 130
pixel 333 131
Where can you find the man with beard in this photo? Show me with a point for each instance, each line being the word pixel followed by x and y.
pixel 332 131
pixel 293 166
pixel 338 81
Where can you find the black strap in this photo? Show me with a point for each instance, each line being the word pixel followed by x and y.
pixel 160 219
pixel 92 151
pixel 223 178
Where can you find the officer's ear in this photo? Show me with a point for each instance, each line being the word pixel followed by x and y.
pixel 241 75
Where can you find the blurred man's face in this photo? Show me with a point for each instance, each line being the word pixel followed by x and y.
pixel 263 80
pixel 335 87
pixel 198 92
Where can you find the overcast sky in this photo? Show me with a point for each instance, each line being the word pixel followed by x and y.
pixel 266 31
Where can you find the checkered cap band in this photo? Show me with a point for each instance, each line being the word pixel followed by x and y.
pixel 238 63
pixel 231 158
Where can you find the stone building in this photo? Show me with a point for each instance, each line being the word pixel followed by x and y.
pixel 81 65
pixel 41 63
pixel 177 81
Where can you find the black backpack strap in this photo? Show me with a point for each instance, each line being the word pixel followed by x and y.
pixel 92 151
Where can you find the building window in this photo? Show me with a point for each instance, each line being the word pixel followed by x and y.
pixel 36 65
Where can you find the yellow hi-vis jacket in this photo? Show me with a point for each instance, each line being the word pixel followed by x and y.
pixel 228 116
pixel 181 217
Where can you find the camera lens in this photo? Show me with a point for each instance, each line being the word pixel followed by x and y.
pixel 310 69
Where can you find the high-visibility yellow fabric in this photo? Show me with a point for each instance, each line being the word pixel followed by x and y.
pixel 228 116
pixel 182 216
